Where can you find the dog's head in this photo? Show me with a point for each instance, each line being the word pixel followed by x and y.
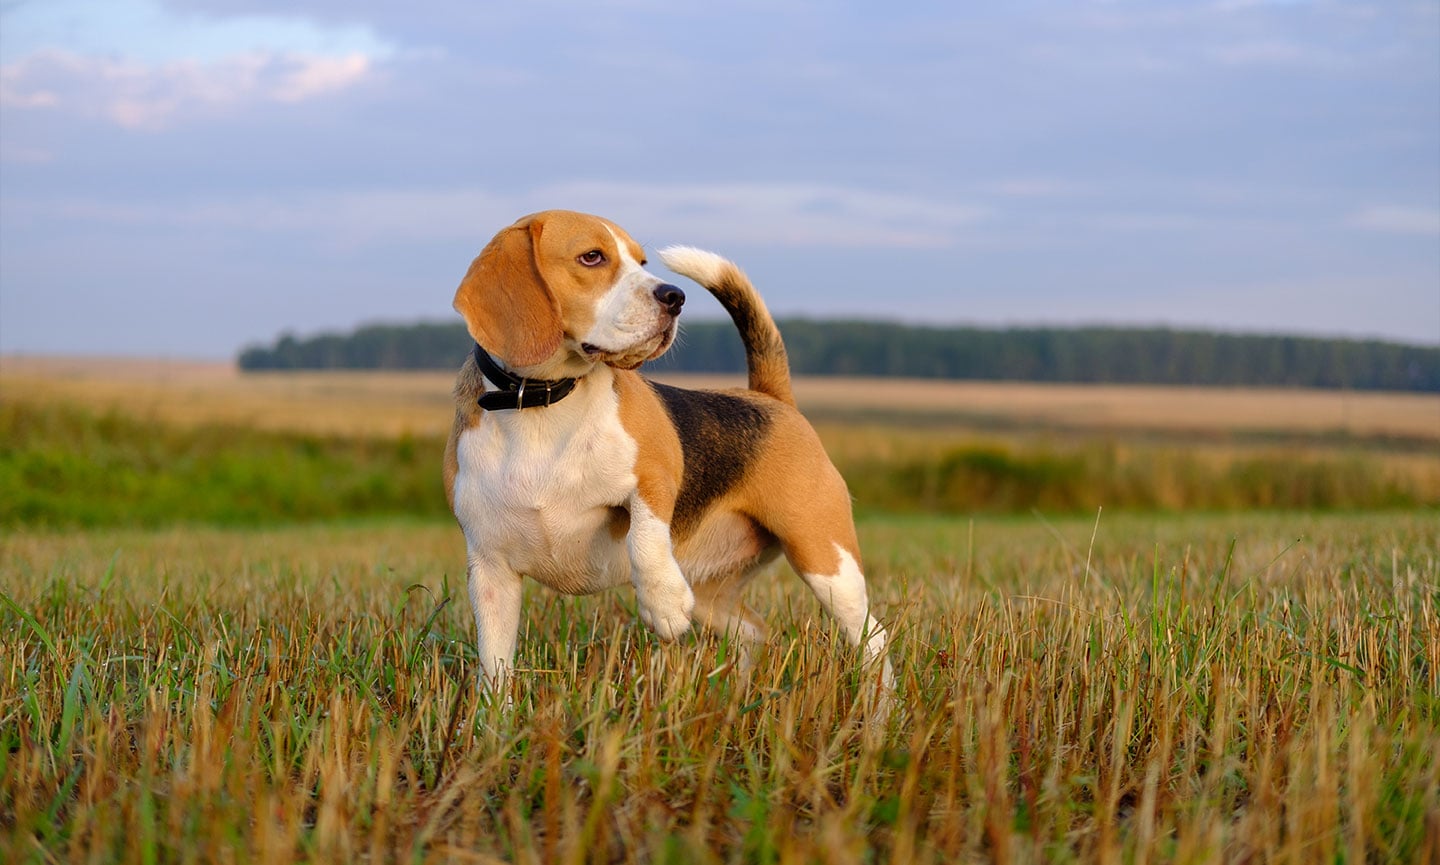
pixel 558 292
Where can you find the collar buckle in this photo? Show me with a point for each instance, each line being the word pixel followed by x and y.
pixel 512 388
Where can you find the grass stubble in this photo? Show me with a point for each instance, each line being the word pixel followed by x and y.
pixel 1246 688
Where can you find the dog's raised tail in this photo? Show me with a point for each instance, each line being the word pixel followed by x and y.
pixel 764 350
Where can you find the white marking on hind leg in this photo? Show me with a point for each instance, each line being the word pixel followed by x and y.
pixel 843 596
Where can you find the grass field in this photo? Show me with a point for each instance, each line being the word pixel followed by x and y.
pixel 1148 695
pixel 1149 686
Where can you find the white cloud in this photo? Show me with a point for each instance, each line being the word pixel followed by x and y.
pixel 1271 52
pixel 14 94
pixel 752 214
pixel 140 95
pixel 1039 187
pixel 152 32
pixel 319 76
pixel 19 154
pixel 1397 219
pixel 781 214
pixel 1245 5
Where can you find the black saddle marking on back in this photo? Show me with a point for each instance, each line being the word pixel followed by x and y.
pixel 720 436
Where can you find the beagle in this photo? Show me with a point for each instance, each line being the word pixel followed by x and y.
pixel 566 466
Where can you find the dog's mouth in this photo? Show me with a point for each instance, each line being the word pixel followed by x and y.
pixel 633 356
pixel 667 339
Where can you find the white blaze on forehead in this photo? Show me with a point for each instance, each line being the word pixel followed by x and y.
pixel 628 264
pixel 627 314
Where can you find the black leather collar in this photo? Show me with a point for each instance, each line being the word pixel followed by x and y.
pixel 517 392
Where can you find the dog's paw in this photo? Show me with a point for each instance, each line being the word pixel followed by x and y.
pixel 666 607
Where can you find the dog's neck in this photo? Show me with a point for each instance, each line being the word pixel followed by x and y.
pixel 516 392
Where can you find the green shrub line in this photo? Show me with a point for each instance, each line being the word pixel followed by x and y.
pixel 66 467
pixel 1000 479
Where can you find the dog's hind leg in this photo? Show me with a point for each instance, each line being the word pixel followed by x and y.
pixel 720 609
pixel 834 576
pixel 817 532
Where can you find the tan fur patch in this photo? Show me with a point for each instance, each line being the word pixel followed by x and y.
pixel 797 494
pixel 660 461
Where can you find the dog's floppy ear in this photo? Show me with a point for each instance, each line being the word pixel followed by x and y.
pixel 507 306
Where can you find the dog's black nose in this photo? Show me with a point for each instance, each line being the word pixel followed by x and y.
pixel 670 297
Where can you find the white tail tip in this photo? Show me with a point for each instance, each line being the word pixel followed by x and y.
pixel 700 265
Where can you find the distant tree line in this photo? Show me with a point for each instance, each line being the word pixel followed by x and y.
pixel 1089 354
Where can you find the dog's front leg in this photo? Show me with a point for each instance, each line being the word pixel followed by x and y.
pixel 495 597
pixel 663 595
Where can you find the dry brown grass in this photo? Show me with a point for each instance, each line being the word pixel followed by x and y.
pixel 393 403
pixel 191 393
pixel 1129 408
pixel 1236 689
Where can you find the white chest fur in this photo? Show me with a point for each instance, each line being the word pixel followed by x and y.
pixel 535 488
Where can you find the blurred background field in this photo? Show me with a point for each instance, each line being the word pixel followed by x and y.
pixel 125 442
pixel 392 403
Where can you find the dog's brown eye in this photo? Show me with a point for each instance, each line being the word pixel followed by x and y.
pixel 592 258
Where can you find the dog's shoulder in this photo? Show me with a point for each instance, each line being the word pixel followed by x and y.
pixel 469 384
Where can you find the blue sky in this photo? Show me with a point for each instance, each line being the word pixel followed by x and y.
pixel 182 177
